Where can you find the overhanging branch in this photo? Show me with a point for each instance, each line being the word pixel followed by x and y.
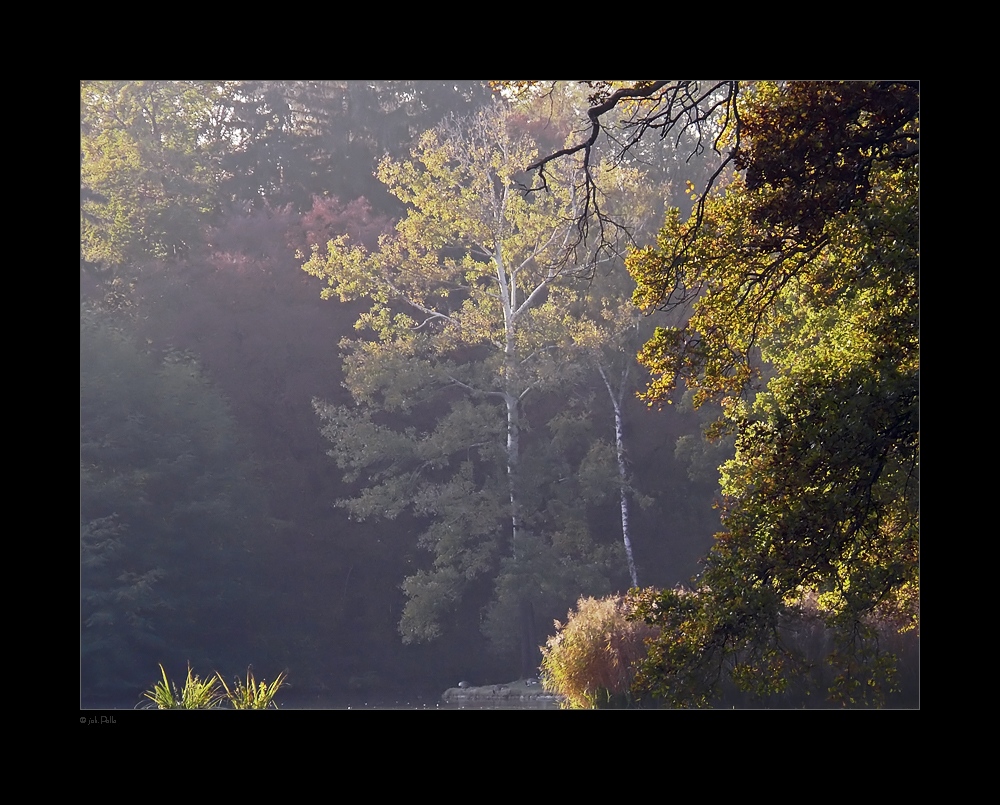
pixel 705 112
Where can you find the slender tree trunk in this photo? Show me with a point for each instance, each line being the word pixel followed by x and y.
pixel 616 402
pixel 530 656
pixel 508 295
pixel 513 446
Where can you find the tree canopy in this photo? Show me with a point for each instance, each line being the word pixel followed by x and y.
pixel 491 428
pixel 168 509
pixel 148 174
pixel 472 302
pixel 801 282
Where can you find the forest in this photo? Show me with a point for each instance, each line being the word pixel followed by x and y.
pixel 383 381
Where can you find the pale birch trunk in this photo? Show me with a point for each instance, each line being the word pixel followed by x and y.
pixel 508 297
pixel 616 402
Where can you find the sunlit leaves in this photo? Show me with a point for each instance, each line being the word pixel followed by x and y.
pixel 592 658
pixel 802 287
pixel 474 311
pixel 147 167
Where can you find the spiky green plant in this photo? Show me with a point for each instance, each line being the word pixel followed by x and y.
pixel 197 694
pixel 252 695
pixel 163 694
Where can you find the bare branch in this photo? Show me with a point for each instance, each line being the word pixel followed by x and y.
pixel 594 113
pixel 703 112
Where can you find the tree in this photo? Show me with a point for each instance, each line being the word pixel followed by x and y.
pixel 297 139
pixel 695 117
pixel 263 335
pixel 686 116
pixel 802 286
pixel 472 311
pixel 617 383
pixel 612 330
pixel 167 511
pixel 264 163
pixel 148 172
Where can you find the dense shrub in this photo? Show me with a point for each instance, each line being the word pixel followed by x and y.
pixel 592 658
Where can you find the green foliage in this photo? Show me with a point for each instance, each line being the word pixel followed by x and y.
pixel 543 573
pixel 704 452
pixel 593 657
pixel 303 138
pixel 474 315
pixel 167 508
pixel 251 694
pixel 197 694
pixel 803 283
pixel 148 173
pixel 709 653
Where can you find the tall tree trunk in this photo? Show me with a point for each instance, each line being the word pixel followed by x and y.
pixel 616 402
pixel 507 288
pixel 513 447
pixel 530 655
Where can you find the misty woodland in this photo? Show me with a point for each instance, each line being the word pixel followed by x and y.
pixel 612 385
